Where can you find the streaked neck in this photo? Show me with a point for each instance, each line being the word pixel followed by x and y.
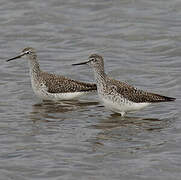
pixel 99 75
pixel 34 66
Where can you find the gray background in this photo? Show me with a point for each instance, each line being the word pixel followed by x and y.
pixel 140 41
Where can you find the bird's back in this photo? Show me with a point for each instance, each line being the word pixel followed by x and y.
pixel 61 84
pixel 135 95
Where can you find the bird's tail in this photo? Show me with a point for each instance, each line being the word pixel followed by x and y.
pixel 160 98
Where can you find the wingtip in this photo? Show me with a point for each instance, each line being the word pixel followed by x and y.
pixel 160 98
pixel 167 99
pixel 170 99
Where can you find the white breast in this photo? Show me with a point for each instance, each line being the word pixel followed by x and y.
pixel 121 105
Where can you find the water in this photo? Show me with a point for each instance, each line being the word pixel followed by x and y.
pixel 140 41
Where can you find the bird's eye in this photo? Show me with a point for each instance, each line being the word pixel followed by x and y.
pixel 93 59
pixel 28 52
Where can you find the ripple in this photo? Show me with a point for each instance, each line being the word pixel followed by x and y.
pixel 140 43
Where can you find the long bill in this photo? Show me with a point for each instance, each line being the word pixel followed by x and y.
pixel 19 56
pixel 82 63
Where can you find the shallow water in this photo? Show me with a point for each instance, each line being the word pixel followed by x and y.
pixel 140 41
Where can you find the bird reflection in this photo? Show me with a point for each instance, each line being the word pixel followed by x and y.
pixel 126 130
pixel 115 121
pixel 49 110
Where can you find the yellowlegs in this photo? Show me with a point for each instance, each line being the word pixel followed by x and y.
pixel 118 96
pixel 50 86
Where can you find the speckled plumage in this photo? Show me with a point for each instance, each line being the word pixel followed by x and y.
pixel 51 86
pixel 118 96
pixel 61 84
pixel 136 95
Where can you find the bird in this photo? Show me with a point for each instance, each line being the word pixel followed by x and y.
pixel 54 87
pixel 117 96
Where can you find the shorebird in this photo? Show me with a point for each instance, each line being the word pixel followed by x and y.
pixel 50 86
pixel 117 96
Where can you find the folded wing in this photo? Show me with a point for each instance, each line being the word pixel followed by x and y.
pixel 136 95
pixel 61 84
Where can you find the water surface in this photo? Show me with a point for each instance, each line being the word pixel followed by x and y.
pixel 140 41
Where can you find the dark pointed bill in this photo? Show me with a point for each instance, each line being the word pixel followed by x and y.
pixel 80 63
pixel 19 56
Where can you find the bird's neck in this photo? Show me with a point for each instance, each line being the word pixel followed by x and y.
pixel 99 75
pixel 34 67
